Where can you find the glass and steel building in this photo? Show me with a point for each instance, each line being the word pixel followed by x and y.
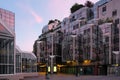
pixel 29 62
pixel 7 42
pixel 25 61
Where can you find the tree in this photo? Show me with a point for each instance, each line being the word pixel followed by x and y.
pixel 35 48
pixel 75 7
pixel 89 4
pixel 50 21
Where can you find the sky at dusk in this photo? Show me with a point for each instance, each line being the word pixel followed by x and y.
pixel 32 15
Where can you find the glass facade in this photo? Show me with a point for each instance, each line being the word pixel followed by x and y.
pixel 6 56
pixel 29 62
pixel 25 62
pixel 7 42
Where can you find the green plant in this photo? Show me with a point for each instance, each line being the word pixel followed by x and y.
pixel 109 20
pixel 75 7
pixel 89 4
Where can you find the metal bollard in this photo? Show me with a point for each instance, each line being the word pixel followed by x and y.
pixel 47 76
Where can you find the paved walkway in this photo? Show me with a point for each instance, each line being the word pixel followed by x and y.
pixel 73 77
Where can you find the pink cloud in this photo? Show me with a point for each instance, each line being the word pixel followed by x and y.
pixel 27 8
pixel 36 16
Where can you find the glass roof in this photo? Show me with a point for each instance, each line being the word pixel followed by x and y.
pixel 28 55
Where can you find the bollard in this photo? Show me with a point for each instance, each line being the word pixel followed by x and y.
pixel 47 76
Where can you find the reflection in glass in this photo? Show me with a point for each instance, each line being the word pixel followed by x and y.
pixel 6 56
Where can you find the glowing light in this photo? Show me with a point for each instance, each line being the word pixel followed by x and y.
pixel 68 61
pixel 55 69
pixel 48 68
pixel 116 65
pixel 87 62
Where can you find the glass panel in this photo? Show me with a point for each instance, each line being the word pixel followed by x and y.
pixel 18 62
pixel 6 56
pixel 3 30
pixel 11 69
pixel 3 69
pixel 3 51
pixel 11 52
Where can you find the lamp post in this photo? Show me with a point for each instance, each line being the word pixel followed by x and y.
pixel 116 53
pixel 52 56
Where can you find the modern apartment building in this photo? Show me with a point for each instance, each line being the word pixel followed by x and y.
pixel 88 39
pixel 71 25
pixel 7 42
pixel 82 41
pixel 110 12
pixel 49 46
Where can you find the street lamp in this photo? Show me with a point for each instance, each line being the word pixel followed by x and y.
pixel 51 56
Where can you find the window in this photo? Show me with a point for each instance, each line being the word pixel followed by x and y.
pixel 64 23
pixel 116 40
pixel 85 31
pixel 114 13
pixel 88 30
pixel 104 9
pixel 75 26
pixel 72 19
pixel 107 39
pixel 53 26
pixel 117 21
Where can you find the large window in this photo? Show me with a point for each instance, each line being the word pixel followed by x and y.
pixel 104 9
pixel 6 56
pixel 28 62
pixel 18 62
pixel 114 13
pixel 76 26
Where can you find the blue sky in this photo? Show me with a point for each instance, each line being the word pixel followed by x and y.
pixel 32 15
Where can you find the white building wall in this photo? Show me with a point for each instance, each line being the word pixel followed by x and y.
pixel 106 31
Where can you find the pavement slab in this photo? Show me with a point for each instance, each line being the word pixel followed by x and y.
pixel 73 77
